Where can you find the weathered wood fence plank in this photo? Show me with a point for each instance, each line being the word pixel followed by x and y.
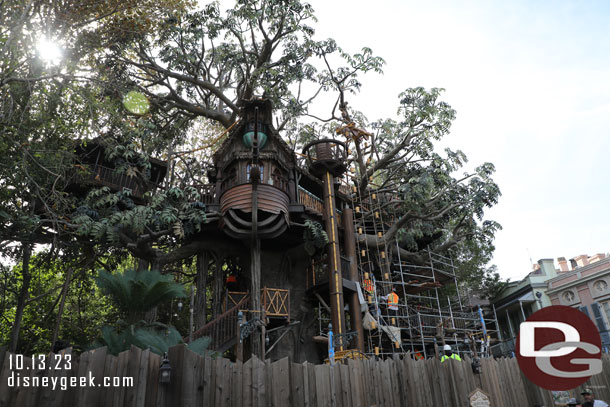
pixel 204 381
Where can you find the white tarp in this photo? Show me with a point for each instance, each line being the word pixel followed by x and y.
pixel 393 332
pixel 363 305
pixel 368 322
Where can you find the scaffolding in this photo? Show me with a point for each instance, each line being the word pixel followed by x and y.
pixel 426 318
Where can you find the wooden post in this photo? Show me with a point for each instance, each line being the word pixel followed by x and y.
pixel 334 261
pixel 255 245
pixel 350 250
pixel 191 312
pixel 217 285
pixel 201 293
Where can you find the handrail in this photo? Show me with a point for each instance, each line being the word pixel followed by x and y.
pixel 310 201
pixel 207 193
pixel 276 302
pixel 223 328
pixel 103 175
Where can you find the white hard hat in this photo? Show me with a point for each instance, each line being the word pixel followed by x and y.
pixel 447 347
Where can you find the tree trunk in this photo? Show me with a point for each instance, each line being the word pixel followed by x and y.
pixel 64 293
pixel 257 343
pixel 149 316
pixel 23 296
pixel 201 302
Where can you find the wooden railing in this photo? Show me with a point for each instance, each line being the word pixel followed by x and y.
pixel 207 193
pixel 234 298
pixel 276 302
pixel 106 176
pixel 317 273
pixel 222 329
pixel 325 149
pixel 311 201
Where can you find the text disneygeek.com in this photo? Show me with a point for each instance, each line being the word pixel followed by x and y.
pixel 62 383
pixel 22 368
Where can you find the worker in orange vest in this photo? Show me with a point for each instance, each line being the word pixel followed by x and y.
pixel 231 282
pixel 392 303
pixel 368 286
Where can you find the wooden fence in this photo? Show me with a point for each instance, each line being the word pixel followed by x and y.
pixel 199 381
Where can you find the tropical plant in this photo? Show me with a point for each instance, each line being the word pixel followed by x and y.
pixel 315 237
pixel 158 339
pixel 135 293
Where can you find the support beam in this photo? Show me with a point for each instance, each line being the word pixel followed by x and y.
pixel 257 341
pixel 334 260
pixel 324 304
pixel 201 282
pixel 350 251
pixel 255 278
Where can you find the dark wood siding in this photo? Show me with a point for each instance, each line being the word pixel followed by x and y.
pixel 270 199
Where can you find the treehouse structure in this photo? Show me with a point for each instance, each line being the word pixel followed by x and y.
pixel 272 294
pixel 94 170
pixel 282 300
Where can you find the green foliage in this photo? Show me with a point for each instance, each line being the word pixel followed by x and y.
pixel 135 293
pixel 157 340
pixel 136 103
pixel 86 309
pixel 315 237
pixel 436 207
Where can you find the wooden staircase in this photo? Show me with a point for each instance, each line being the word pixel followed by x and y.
pixel 223 330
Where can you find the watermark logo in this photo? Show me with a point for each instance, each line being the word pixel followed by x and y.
pixel 559 348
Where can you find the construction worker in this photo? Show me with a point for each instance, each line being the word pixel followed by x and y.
pixel 392 299
pixel 418 355
pixel 231 282
pixel 368 286
pixel 448 354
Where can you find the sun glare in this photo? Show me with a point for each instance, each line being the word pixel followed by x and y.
pixel 49 51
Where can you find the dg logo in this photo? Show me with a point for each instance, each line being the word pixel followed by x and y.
pixel 559 348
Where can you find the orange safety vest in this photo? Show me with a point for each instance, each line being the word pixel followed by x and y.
pixel 418 356
pixel 231 279
pixel 392 299
pixel 368 285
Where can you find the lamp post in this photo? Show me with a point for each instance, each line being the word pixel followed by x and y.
pixel 240 345
pixel 165 370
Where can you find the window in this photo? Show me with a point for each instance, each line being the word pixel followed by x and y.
pixel 248 167
pixel 606 308
pixel 600 286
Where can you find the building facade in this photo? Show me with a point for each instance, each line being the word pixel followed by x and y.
pixel 584 283
pixel 518 301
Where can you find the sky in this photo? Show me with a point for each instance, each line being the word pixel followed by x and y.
pixel 529 81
